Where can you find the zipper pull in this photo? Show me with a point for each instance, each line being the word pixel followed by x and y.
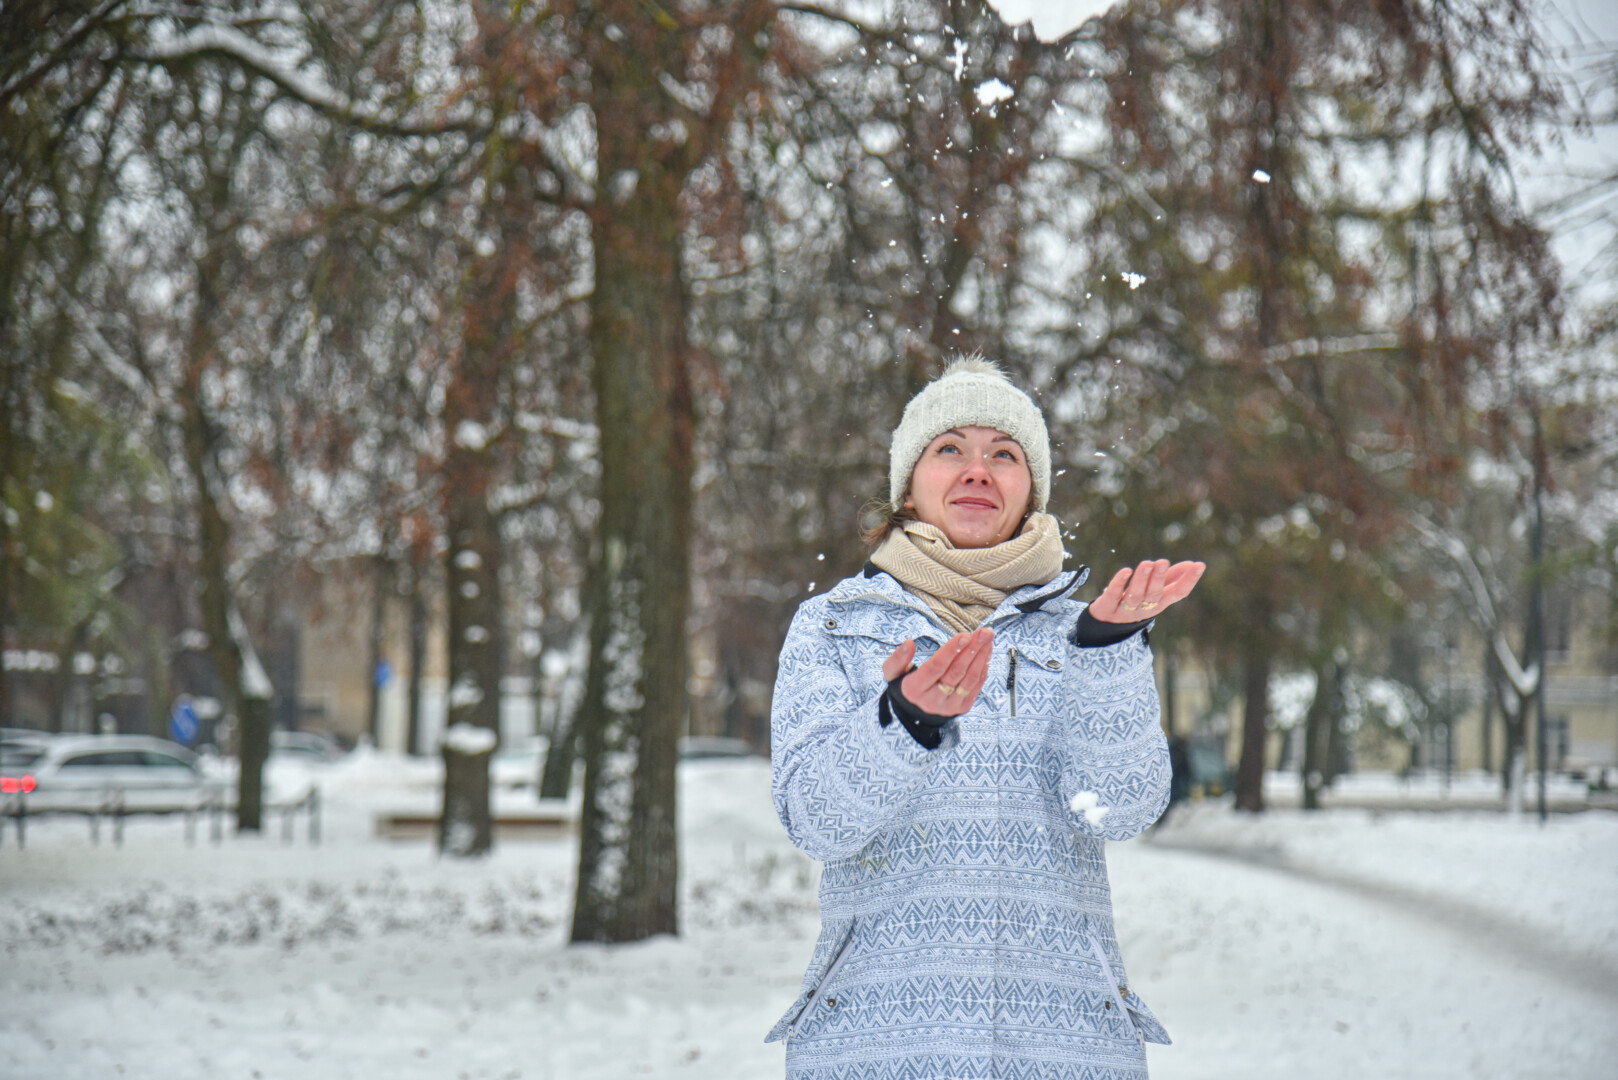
pixel 1011 679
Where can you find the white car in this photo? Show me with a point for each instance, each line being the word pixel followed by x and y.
pixel 83 771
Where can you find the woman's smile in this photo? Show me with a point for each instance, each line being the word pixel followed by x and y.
pixel 974 484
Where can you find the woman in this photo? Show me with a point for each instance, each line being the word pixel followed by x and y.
pixel 955 737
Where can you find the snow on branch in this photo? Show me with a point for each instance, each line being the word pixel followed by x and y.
pixel 1525 681
pixel 1330 346
pixel 838 17
pixel 116 365
pixel 255 682
pixel 232 44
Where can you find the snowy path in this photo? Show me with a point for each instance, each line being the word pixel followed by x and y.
pixel 362 959
pixel 1583 970
pixel 1262 974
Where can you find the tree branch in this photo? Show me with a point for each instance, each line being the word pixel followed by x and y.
pixel 33 72
pixel 228 43
pixel 837 17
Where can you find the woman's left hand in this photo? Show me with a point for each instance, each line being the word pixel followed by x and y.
pixel 1144 592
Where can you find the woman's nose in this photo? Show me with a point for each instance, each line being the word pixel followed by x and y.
pixel 976 471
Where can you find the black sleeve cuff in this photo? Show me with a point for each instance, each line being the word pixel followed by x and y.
pixel 925 727
pixel 1092 633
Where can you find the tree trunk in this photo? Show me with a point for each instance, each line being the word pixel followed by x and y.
pixel 1323 716
pixel 1514 723
pixel 63 685
pixel 638 587
pixel 1338 747
pixel 418 658
pixel 12 423
pixel 557 779
pixel 1255 714
pixel 253 748
pixel 473 418
pixel 380 581
pixel 1489 678
pixel 473 577
pixel 158 677
pixel 467 824
pixel 248 704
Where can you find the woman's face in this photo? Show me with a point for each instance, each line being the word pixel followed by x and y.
pixel 973 483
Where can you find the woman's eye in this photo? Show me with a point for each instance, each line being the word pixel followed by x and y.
pixel 949 448
pixel 1007 454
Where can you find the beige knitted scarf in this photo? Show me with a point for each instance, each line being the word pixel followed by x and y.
pixel 964 585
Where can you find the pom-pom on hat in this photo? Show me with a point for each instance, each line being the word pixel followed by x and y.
pixel 972 392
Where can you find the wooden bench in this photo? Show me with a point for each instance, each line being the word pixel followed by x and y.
pixel 537 823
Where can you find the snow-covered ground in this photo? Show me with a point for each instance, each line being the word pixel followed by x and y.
pixel 1333 945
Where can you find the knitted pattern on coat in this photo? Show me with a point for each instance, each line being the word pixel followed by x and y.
pixel 966 918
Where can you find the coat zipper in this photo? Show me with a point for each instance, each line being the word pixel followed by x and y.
pixel 808 1006
pixel 1114 990
pixel 1011 680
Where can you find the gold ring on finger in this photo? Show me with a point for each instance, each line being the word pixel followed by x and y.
pixel 1148 605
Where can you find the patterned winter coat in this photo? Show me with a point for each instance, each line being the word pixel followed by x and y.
pixel 966 921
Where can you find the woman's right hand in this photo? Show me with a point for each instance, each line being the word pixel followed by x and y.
pixel 948 684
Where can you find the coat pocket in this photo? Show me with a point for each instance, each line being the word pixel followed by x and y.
pixel 829 953
pixel 1126 1001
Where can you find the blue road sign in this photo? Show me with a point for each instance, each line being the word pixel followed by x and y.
pixel 183 724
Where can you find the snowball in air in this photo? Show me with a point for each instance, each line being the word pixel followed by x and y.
pixel 1085 802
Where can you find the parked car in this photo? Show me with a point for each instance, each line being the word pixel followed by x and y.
pixel 74 769
pixel 23 738
pixel 20 748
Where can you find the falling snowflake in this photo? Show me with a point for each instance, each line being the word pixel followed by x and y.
pixel 994 92
pixel 1135 281
pixel 1261 176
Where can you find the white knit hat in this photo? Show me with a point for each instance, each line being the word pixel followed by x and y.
pixel 974 392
